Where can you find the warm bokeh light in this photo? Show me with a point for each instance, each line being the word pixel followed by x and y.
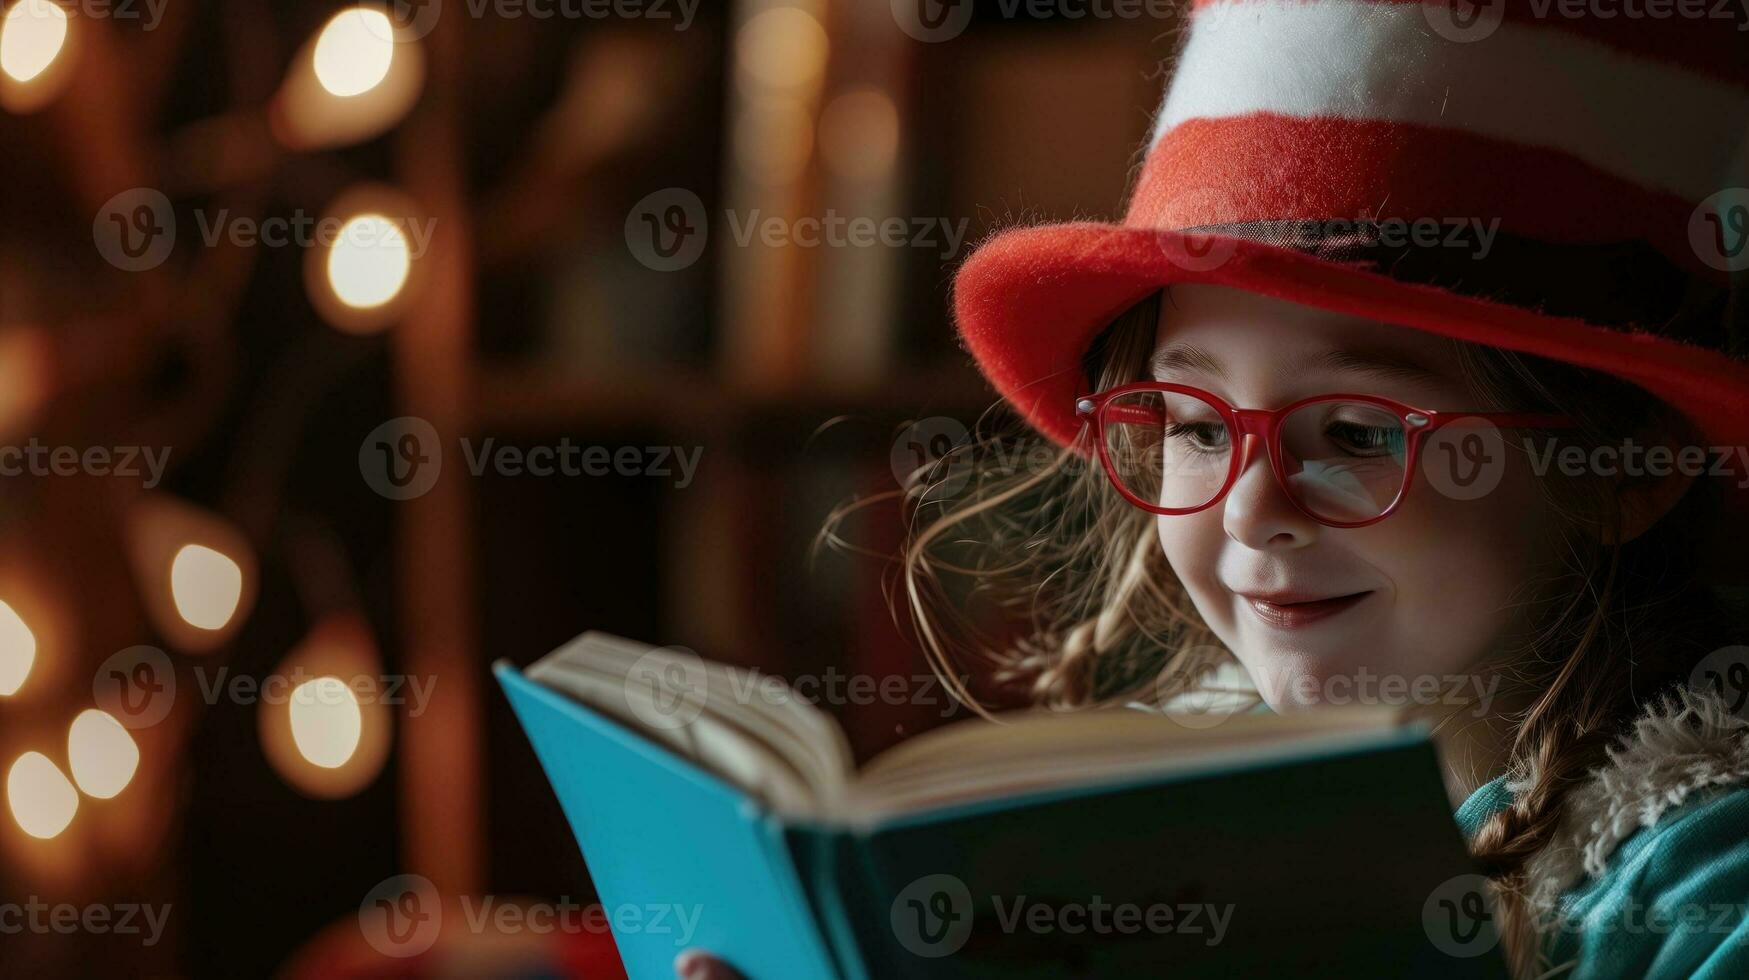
pixel 331 737
pixel 17 650
pixel 101 754
pixel 859 134
pixel 774 140
pixel 369 262
pixel 206 586
pixel 31 37
pixel 782 48
pixel 43 801
pixel 354 51
pixel 195 570
pixel 27 375
pixel 325 721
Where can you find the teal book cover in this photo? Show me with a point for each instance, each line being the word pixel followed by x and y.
pixel 1341 859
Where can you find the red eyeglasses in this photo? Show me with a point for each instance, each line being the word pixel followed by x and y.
pixel 1344 460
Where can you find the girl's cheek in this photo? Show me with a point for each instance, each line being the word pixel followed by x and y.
pixel 1192 545
pixel 1460 568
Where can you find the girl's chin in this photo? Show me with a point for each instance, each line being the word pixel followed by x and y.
pixel 1303 678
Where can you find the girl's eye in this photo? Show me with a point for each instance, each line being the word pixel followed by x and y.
pixel 1199 436
pixel 1359 439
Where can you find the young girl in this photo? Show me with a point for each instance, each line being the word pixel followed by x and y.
pixel 1411 359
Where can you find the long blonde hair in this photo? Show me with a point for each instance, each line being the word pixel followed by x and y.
pixel 1034 576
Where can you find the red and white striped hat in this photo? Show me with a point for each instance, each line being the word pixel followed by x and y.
pixel 1527 175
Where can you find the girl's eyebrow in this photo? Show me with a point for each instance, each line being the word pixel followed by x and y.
pixel 1391 365
pixel 1184 357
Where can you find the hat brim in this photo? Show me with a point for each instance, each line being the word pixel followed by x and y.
pixel 1030 301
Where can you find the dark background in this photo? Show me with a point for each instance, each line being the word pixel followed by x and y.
pixel 531 320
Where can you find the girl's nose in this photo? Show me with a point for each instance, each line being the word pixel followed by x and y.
pixel 1257 512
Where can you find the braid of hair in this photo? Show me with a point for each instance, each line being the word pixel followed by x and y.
pixel 1072 678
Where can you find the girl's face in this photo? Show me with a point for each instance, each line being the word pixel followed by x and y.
pixel 1324 615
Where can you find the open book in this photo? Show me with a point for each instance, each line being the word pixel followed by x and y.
pixel 1047 844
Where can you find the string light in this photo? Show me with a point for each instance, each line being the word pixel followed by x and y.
pixel 332 736
pixel 206 586
pixel 42 800
pixel 17 650
pixel 352 81
pixel 196 571
pixel 101 754
pixel 363 277
pixel 782 48
pixel 325 721
pixel 354 51
pixel 369 262
pixel 31 37
pixel 859 134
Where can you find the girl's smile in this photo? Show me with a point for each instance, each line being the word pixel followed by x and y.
pixel 1293 610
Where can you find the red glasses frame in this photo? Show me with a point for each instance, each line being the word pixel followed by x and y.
pixel 1264 425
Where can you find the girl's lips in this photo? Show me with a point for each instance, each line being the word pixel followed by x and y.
pixel 1292 615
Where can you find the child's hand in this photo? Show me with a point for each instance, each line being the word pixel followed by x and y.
pixel 696 964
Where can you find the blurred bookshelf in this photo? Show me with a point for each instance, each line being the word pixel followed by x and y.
pixel 791 367
pixel 532 142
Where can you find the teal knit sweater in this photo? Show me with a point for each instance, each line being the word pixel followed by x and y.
pixel 1661 864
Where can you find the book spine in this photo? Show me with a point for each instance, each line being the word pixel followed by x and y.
pixel 790 872
pixel 816 855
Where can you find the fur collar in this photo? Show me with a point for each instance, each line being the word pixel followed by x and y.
pixel 1682 745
